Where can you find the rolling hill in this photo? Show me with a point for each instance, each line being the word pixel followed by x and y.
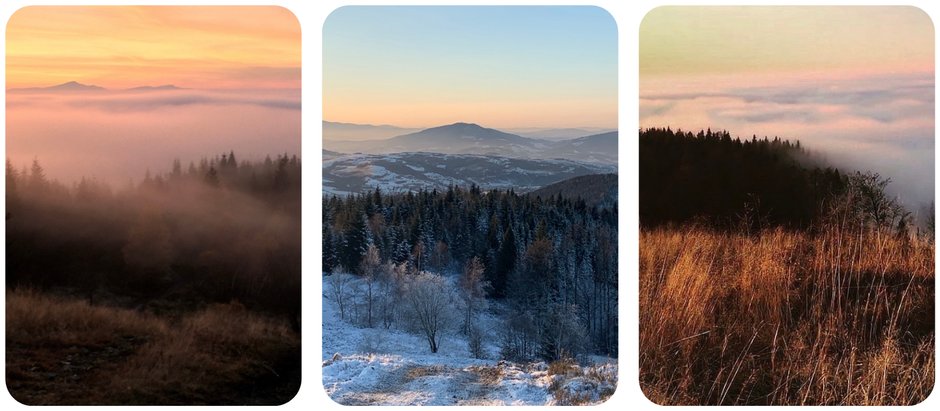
pixel 335 131
pixel 468 138
pixel 594 189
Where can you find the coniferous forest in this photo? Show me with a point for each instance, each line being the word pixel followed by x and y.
pixel 181 287
pixel 553 261
pixel 717 179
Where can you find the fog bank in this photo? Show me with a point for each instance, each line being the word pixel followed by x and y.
pixel 118 135
pixel 880 124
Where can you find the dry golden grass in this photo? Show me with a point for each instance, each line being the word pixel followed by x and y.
pixel 424 371
pixel 487 375
pixel 36 319
pixel 63 351
pixel 836 317
pixel 563 367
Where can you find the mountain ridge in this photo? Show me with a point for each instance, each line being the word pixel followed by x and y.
pixel 594 189
pixel 472 138
pixel 74 86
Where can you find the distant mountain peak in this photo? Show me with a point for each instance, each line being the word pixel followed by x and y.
pixel 460 125
pixel 71 86
pixel 155 88
pixel 74 85
pixel 461 128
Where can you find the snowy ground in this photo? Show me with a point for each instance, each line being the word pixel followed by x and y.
pixel 375 366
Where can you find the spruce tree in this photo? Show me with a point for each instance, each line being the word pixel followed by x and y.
pixel 505 263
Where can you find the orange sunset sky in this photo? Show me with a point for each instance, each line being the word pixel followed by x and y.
pixel 120 47
pixel 236 72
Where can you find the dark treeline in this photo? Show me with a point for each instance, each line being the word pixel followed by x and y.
pixel 553 260
pixel 722 182
pixel 215 231
pixel 710 175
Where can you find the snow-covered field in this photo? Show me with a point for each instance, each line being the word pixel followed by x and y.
pixel 378 366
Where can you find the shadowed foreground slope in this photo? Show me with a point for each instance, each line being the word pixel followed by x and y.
pixel 64 351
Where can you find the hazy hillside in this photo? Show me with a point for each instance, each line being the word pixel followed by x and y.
pixel 598 148
pixel 76 87
pixel 329 155
pixel 357 132
pixel 556 134
pixel 594 189
pixel 457 138
pixel 69 87
pixel 467 138
pixel 414 171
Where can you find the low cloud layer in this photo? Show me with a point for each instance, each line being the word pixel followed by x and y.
pixel 118 136
pixel 878 124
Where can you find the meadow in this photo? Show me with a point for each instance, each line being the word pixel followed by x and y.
pixel 62 350
pixel 837 315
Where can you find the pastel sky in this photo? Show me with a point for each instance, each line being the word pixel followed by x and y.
pixel 496 66
pixel 855 84
pixel 237 69
pixel 119 47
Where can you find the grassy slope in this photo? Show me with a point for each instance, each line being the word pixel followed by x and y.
pixel 64 351
pixel 785 318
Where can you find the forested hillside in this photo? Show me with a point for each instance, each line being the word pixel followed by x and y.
pixel 553 262
pixel 198 265
pixel 595 189
pixel 721 180
pixel 219 229
pixel 767 278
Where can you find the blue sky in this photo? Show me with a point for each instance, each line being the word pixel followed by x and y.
pixel 499 66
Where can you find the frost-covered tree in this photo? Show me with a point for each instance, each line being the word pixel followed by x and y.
pixel 429 304
pixel 370 269
pixel 338 283
pixel 472 290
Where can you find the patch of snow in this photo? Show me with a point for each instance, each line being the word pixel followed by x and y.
pixel 377 366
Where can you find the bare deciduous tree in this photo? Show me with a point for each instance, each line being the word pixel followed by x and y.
pixel 472 289
pixel 339 288
pixel 429 304
pixel 369 268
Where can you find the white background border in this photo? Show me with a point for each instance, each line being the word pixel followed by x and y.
pixel 312 14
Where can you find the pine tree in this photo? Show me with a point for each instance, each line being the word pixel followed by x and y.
pixel 505 263
pixel 11 178
pixel 280 174
pixel 329 250
pixel 177 168
pixel 212 177
pixel 354 241
pixel 37 177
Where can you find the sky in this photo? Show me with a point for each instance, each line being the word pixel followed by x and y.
pixel 501 67
pixel 853 84
pixel 237 70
